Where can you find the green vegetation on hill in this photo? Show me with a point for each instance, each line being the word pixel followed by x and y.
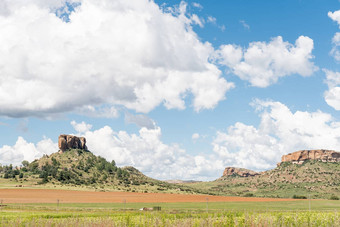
pixel 81 169
pixel 314 179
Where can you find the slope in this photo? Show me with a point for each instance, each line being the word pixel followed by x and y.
pixel 81 170
pixel 314 179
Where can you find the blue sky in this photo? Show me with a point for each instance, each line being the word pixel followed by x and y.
pixel 178 89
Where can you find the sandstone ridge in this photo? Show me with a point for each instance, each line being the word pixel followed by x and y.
pixel 233 171
pixel 66 142
pixel 299 157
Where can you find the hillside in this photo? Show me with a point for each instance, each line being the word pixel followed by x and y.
pixel 80 169
pixel 301 174
pixel 311 178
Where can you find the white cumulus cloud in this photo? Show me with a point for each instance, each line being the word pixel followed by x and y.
pixel 110 53
pixel 280 132
pixel 332 95
pixel 81 127
pixel 335 52
pixel 262 64
pixel 23 150
pixel 140 119
pixel 146 152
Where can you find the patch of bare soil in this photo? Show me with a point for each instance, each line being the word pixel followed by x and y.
pixel 68 196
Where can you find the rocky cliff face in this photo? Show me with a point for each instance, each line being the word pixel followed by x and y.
pixel 232 171
pixel 66 142
pixel 299 157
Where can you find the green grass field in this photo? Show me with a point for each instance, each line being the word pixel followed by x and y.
pixel 292 213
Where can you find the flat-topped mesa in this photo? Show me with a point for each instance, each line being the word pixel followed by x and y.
pixel 299 157
pixel 66 142
pixel 233 171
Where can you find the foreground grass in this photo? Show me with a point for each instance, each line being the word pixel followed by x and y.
pixel 294 213
pixel 163 218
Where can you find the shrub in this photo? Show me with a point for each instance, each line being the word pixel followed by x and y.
pixel 299 197
pixel 334 197
pixel 248 195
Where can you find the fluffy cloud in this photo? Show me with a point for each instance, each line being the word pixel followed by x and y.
pixel 148 153
pixel 335 16
pixel 81 127
pixel 129 53
pixel 103 111
pixel 262 64
pixel 335 52
pixel 22 150
pixel 332 96
pixel 141 120
pixel 280 132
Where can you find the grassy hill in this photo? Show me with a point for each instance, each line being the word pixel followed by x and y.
pixel 312 178
pixel 79 169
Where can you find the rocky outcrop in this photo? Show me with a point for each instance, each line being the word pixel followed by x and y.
pixel 299 157
pixel 233 171
pixel 66 142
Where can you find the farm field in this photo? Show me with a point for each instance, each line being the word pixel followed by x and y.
pixel 72 196
pixel 122 209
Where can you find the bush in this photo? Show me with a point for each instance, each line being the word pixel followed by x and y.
pixel 299 197
pixel 334 197
pixel 248 195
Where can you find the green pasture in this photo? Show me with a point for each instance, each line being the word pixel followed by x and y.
pixel 285 213
pixel 295 205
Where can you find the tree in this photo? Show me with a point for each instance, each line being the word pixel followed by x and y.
pixel 119 173
pixel 25 163
pixel 55 162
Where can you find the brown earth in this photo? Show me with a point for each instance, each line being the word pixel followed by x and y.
pixel 67 196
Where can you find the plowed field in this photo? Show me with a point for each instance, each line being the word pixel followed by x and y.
pixel 68 196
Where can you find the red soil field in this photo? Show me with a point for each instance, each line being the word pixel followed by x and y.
pixel 68 196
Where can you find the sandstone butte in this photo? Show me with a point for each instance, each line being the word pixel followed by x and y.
pixel 299 157
pixel 230 171
pixel 66 142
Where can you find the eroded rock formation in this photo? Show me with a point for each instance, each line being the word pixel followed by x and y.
pixel 299 157
pixel 232 171
pixel 66 142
